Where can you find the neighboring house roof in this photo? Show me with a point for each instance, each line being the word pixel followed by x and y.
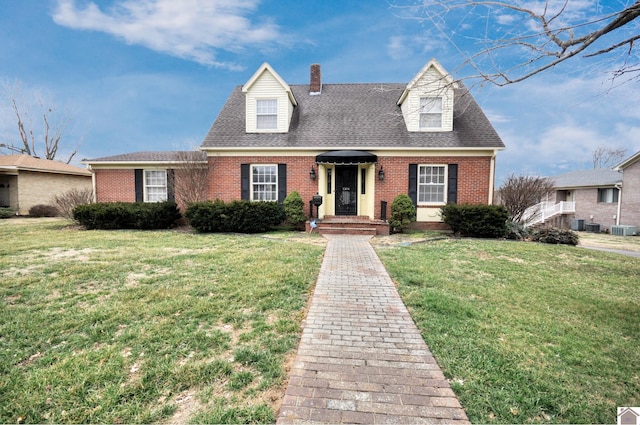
pixel 597 177
pixel 17 163
pixel 352 116
pixel 629 161
pixel 150 156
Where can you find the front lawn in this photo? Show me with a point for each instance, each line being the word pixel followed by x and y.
pixel 526 332
pixel 141 327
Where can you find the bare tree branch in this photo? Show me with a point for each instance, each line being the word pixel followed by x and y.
pixel 47 137
pixel 543 34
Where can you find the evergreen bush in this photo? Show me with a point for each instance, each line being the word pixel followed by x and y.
pixel 403 213
pixel 125 215
pixel 235 216
pixel 294 210
pixel 6 212
pixel 480 221
pixel 554 235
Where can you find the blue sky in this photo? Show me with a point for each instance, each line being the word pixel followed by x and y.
pixel 153 74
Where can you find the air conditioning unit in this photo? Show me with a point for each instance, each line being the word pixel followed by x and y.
pixel 624 230
pixel 577 225
pixel 592 227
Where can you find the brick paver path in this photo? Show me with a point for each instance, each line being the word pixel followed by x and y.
pixel 361 358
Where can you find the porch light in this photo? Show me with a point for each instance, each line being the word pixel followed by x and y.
pixel 312 173
pixel 381 173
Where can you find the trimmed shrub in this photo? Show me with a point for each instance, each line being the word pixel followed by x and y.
pixel 294 209
pixel 67 201
pixel 6 213
pixel 479 221
pixel 403 213
pixel 516 231
pixel 42 210
pixel 124 215
pixel 554 235
pixel 236 216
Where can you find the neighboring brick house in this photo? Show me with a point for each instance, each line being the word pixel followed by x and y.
pixel 594 195
pixel 630 195
pixel 26 181
pixel 356 145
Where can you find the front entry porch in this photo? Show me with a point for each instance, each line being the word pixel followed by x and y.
pixel 349 225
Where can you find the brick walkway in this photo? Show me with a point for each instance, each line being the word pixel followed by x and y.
pixel 361 358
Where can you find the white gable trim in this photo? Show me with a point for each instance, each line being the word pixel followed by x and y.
pixel 447 78
pixel 265 67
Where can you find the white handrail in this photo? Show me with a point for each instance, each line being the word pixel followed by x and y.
pixel 546 210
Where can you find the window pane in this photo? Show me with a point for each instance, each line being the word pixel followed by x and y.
pixel 264 183
pixel 266 122
pixel 431 184
pixel 430 112
pixel 267 114
pixel 155 185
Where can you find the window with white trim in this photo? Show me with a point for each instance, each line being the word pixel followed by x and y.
pixel 432 184
pixel 608 196
pixel 266 114
pixel 155 185
pixel 264 182
pixel 430 112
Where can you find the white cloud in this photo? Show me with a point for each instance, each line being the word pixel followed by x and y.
pixel 189 29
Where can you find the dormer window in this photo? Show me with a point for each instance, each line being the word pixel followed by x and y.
pixel 266 114
pixel 430 112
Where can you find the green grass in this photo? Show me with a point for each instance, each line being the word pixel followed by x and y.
pixel 140 327
pixel 526 332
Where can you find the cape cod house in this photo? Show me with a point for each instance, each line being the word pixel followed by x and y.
pixel 357 146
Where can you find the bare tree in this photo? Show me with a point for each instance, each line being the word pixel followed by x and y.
pixel 607 156
pixel 539 34
pixel 42 137
pixel 518 193
pixel 191 177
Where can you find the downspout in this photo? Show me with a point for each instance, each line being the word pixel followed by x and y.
pixel 492 178
pixel 619 187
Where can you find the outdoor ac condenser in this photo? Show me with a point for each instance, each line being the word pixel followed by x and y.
pixel 624 230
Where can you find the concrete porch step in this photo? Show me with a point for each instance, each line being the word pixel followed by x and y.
pixel 326 230
pixel 351 225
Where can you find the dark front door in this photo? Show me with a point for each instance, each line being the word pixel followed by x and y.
pixel 346 190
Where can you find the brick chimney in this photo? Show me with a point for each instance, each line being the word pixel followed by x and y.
pixel 315 85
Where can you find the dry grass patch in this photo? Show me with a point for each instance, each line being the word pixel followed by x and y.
pixel 141 327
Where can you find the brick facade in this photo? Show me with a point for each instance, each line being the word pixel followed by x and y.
pixel 115 185
pixel 630 212
pixel 587 206
pixel 35 188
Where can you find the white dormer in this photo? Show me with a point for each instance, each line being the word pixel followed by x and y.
pixel 427 101
pixel 269 102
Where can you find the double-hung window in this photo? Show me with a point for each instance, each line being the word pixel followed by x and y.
pixel 264 182
pixel 608 196
pixel 430 112
pixel 432 186
pixel 267 114
pixel 155 185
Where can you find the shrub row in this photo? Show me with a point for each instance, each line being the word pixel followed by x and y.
pixel 236 216
pixel 124 215
pixel 6 212
pixel 554 235
pixel 480 221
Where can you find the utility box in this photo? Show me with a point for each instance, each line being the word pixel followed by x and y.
pixel 592 227
pixel 577 225
pixel 624 230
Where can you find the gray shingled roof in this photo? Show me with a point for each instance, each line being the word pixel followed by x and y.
pixel 352 116
pixel 599 177
pixel 152 156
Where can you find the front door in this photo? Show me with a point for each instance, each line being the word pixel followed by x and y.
pixel 347 190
